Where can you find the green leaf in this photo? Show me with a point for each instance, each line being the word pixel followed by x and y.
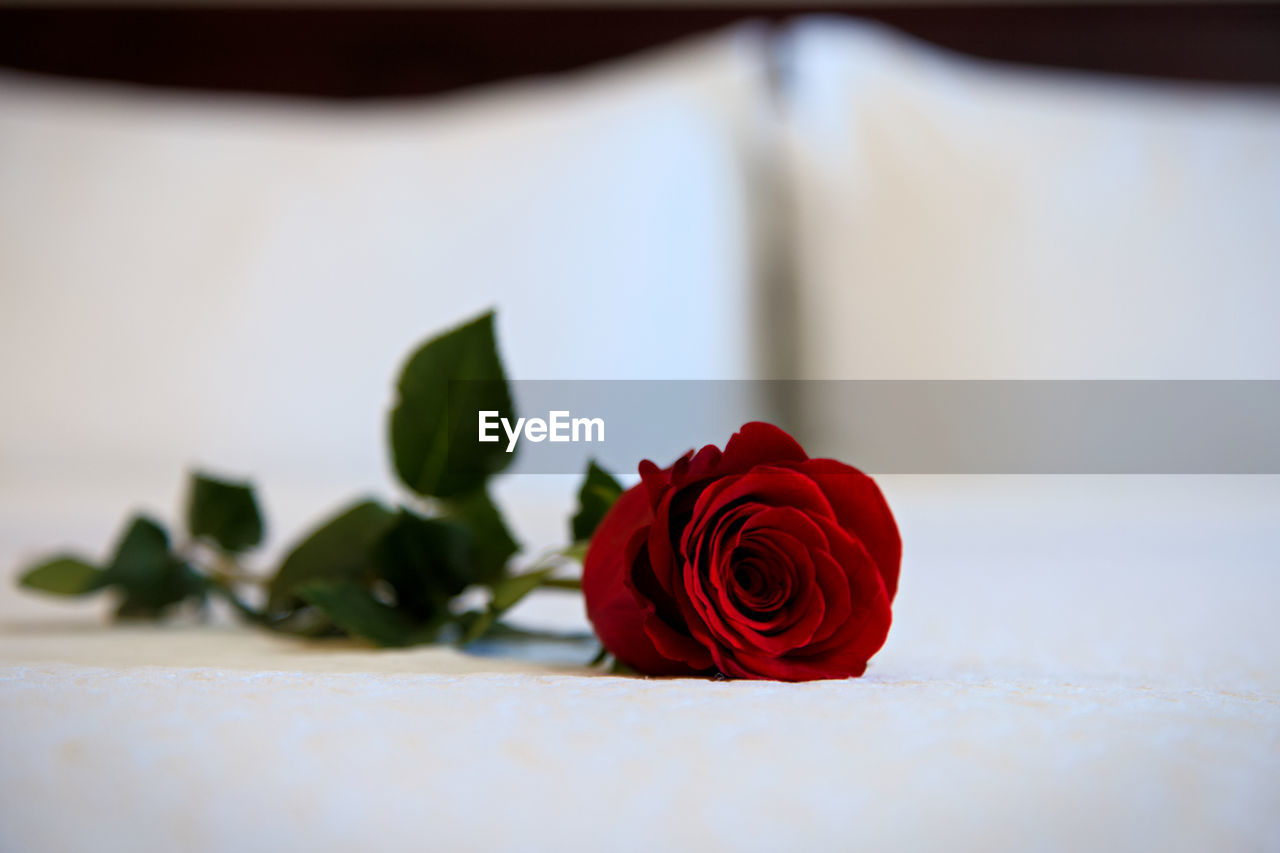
pixel 354 609
pixel 225 512
pixel 179 582
pixel 340 549
pixel 149 576
pixel 571 584
pixel 442 389
pixel 474 624
pixel 64 575
pixel 508 592
pixel 598 494
pixel 142 555
pixel 427 561
pixel 491 542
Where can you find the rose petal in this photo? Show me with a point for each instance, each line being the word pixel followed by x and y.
pixel 675 646
pixel 794 622
pixel 655 481
pixel 663 533
pixel 789 668
pixel 862 631
pixel 756 560
pixel 759 443
pixel 704 464
pixel 860 507
pixel 794 625
pixel 615 611
pixel 859 639
pixel 779 487
pixel 660 624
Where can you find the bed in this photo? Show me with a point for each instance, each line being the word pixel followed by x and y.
pixel 1078 660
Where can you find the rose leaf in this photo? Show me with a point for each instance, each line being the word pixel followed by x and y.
pixel 443 387
pixel 354 609
pixel 225 512
pixel 64 575
pixel 341 548
pixel 492 544
pixel 598 494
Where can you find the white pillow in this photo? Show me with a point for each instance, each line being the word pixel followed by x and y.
pixel 962 219
pixel 234 281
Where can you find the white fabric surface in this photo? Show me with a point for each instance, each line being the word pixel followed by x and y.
pixel 234 282
pixel 1076 663
pixel 961 219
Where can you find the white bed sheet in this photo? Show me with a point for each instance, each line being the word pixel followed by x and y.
pixel 1077 662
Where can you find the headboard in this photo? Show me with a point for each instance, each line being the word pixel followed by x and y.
pixel 351 52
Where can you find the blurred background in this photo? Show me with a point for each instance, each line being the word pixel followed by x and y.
pixel 223 228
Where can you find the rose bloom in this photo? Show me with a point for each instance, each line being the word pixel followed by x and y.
pixel 757 562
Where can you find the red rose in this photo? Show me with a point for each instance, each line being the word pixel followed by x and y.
pixel 757 562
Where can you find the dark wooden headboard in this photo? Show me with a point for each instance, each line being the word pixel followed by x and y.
pixel 366 52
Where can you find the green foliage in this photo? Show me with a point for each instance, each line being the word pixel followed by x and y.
pixel 64 575
pixel 340 549
pixel 510 591
pixel 391 576
pixel 426 561
pixel 598 494
pixel 491 543
pixel 150 577
pixel 224 512
pixel 355 610
pixel 442 387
